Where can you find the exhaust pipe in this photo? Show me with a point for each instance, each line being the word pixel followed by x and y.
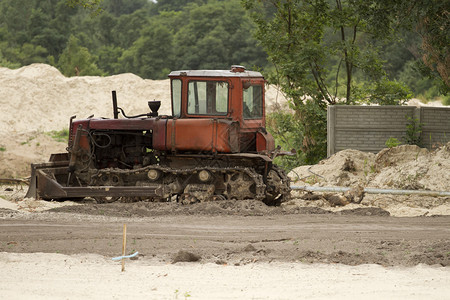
pixel 115 110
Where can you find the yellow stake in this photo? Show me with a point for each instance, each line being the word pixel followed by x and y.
pixel 124 245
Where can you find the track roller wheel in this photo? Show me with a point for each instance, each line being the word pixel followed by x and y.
pixel 101 200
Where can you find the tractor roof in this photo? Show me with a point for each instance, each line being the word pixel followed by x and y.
pixel 236 71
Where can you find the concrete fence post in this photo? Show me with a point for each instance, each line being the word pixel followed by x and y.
pixel 331 117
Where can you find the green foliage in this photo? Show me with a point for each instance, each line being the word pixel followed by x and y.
pixel 304 135
pixel 29 53
pixel 321 49
pixel 317 49
pixel 61 136
pixel 32 31
pixel 313 118
pixel 429 20
pixel 6 63
pixel 77 61
pixel 383 92
pixel 423 87
pixel 93 5
pixel 325 53
pixel 108 58
pixel 127 29
pixel 150 54
pixel 124 7
pixel 413 132
pixel 285 128
pixel 446 100
pixel 176 5
pixel 138 36
pixel 392 142
pixel 214 36
pixel 2 149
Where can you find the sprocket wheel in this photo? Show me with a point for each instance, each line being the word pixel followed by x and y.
pixel 278 189
pixel 239 186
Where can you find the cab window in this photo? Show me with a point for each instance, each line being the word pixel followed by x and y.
pixel 207 98
pixel 176 97
pixel 252 98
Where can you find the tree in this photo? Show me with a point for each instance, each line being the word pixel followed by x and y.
pixel 15 18
pixel 175 5
pixel 28 54
pixel 216 35
pixel 125 7
pixel 44 35
pixel 325 52
pixel 128 28
pixel 431 20
pixel 150 56
pixel 77 61
pixel 108 59
pixel 93 5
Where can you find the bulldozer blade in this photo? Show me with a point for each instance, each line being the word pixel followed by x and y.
pixel 33 187
pixel 44 185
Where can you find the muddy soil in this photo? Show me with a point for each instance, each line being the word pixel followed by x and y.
pixel 232 233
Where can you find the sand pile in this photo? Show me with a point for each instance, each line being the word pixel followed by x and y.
pixel 404 167
pixel 22 149
pixel 39 97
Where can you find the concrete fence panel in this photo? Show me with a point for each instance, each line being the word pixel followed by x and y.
pixel 367 128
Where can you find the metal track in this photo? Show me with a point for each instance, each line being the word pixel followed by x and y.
pixel 187 176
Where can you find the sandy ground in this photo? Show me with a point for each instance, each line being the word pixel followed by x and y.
pixel 56 276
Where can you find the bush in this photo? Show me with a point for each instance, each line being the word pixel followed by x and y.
pixel 413 132
pixel 392 142
pixel 286 131
pixel 446 100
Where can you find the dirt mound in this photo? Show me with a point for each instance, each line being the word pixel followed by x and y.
pixel 411 167
pixel 185 256
pixel 389 157
pixel 404 167
pixel 345 168
pixel 146 209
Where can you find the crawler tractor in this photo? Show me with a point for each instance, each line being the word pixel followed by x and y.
pixel 214 146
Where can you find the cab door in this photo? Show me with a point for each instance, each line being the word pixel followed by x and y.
pixel 252 119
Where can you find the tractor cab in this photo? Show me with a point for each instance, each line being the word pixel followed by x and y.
pixel 234 97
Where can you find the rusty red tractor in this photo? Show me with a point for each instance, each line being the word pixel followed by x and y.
pixel 214 146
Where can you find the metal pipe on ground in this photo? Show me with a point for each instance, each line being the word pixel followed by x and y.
pixel 370 190
pixel 13 180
